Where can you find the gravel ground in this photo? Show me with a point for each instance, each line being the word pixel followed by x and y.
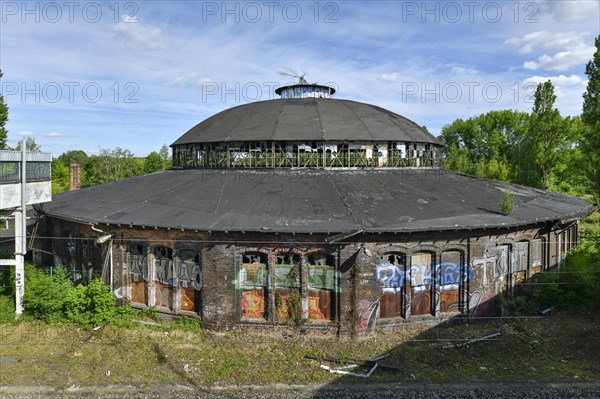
pixel 339 391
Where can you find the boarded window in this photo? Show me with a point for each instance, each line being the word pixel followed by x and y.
pixel 521 256
pixel 321 287
pixel 163 277
pixel 391 271
pixel 451 277
pixel 137 291
pixel 501 268
pixel 190 280
pixel 420 283
pixel 253 281
pixel 287 285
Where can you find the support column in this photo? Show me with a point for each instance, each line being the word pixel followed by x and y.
pixel 21 236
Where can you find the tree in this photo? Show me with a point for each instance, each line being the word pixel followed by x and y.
pixel 165 156
pixel 30 145
pixel 546 132
pixel 591 118
pixel 487 145
pixel 111 165
pixel 3 120
pixel 153 163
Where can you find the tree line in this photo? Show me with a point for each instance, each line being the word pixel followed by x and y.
pixel 540 149
pixel 107 166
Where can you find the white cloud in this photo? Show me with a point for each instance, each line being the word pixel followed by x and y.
pixel 546 39
pixel 25 134
pixel 53 134
pixel 562 60
pixel 137 35
pixel 563 85
pixel 389 77
pixel 458 70
pixel 571 10
pixel 190 80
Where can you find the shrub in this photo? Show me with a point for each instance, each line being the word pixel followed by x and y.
pixel 580 278
pixel 90 305
pixel 44 296
pixel 507 204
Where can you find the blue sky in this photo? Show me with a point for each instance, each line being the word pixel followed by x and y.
pixel 84 75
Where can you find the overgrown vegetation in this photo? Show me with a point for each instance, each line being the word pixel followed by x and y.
pixel 52 298
pixel 507 204
pixel 573 287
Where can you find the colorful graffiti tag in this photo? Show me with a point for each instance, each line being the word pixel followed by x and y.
pixel 448 275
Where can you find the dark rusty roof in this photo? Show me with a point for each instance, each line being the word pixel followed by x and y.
pixel 306 119
pixel 288 200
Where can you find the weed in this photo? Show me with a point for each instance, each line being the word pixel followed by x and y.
pixel 507 204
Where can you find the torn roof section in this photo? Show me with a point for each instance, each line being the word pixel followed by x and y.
pixel 312 201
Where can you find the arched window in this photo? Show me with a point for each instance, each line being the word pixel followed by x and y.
pixel 520 268
pixel 391 271
pixel 287 286
pixel 253 283
pixel 322 284
pixel 420 283
pixel 452 278
pixel 190 280
pixel 137 290
pixel 163 277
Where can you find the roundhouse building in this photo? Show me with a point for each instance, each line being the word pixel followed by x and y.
pixel 310 209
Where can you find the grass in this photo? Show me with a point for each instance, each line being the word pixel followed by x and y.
pixel 557 348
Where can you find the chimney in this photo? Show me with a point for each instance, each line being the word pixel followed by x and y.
pixel 74 177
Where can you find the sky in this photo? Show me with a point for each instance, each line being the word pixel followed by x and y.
pixel 86 75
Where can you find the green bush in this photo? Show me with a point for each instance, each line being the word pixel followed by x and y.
pixel 580 278
pixel 90 305
pixel 507 204
pixel 44 296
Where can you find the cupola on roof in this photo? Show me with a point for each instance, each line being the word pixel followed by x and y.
pixel 306 121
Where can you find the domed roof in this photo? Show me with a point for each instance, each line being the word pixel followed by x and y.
pixel 321 119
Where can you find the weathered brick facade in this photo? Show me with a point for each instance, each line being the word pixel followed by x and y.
pixel 233 279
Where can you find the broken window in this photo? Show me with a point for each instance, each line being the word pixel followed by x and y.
pixel 321 287
pixel 520 268
pixel 420 283
pixel 163 276
pixel 137 292
pixel 451 277
pixel 253 283
pixel 190 280
pixel 288 302
pixel 391 272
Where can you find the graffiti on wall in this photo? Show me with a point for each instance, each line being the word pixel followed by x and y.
pixel 449 275
pixel 175 286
